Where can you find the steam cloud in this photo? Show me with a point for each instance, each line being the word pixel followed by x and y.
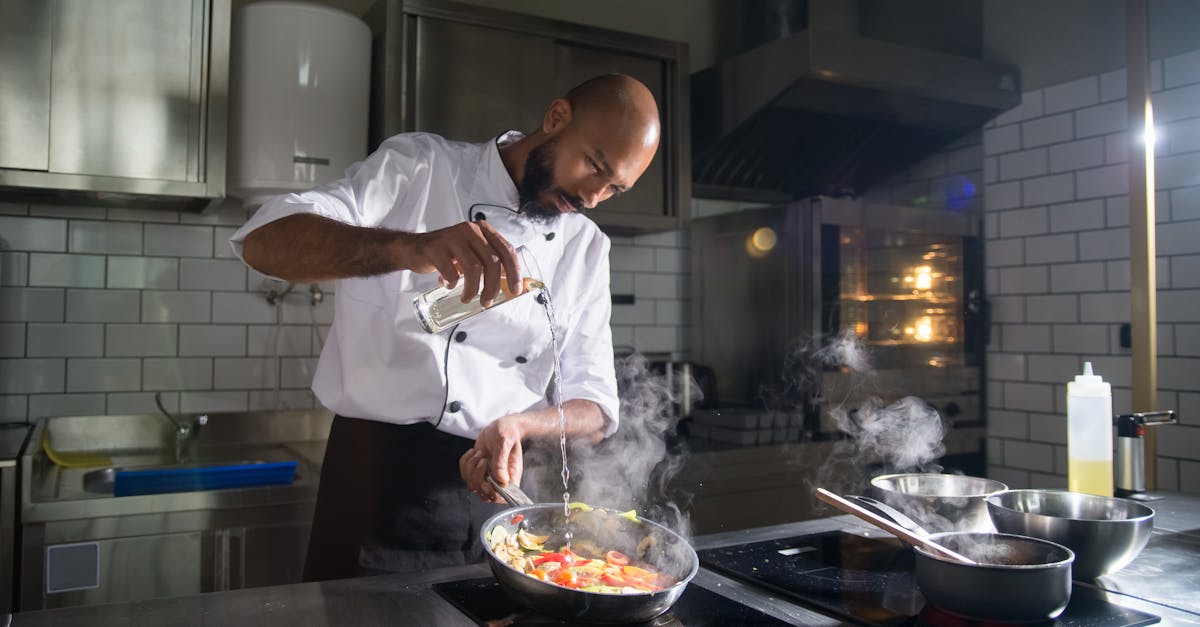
pixel 905 435
pixel 800 377
pixel 632 468
pixel 901 436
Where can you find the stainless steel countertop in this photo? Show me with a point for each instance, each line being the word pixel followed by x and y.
pixel 11 438
pixel 408 599
pixel 404 599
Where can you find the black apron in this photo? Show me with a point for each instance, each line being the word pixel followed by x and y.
pixel 391 499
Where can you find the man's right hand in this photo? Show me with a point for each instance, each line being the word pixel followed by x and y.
pixel 497 452
pixel 473 251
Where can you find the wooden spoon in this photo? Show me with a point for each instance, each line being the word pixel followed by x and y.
pixel 891 527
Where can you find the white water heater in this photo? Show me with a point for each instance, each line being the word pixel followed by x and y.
pixel 299 82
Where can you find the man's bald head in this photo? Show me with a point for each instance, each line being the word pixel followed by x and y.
pixel 594 143
pixel 620 99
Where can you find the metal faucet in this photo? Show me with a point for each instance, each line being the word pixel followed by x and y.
pixel 183 430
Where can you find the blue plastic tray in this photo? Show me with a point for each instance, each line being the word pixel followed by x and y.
pixel 192 478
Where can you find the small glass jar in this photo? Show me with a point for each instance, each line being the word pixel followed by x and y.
pixel 440 308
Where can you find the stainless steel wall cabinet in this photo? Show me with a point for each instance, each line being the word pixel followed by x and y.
pixel 122 98
pixel 469 73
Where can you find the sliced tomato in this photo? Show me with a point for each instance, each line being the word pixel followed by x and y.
pixel 518 518
pixel 638 573
pixel 569 570
pixel 611 579
pixel 616 557
pixel 564 577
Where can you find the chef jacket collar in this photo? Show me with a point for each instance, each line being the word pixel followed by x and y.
pixel 497 199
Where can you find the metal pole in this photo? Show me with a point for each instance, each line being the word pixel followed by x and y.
pixel 1143 299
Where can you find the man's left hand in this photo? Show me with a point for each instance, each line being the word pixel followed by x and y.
pixel 498 452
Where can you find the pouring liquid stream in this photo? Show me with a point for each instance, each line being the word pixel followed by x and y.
pixel 548 305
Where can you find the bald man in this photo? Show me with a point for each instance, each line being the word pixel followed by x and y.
pixel 422 419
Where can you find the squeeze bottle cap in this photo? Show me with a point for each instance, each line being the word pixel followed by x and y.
pixel 1088 383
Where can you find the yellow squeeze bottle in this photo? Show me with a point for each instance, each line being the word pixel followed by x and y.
pixel 1089 434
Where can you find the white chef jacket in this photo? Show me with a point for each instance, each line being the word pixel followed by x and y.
pixel 378 363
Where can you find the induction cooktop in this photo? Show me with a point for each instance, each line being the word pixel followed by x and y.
pixel 870 581
pixel 484 601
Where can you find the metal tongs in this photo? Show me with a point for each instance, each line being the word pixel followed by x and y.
pixel 909 536
pixel 513 494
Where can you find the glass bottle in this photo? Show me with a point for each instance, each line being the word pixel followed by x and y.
pixel 441 307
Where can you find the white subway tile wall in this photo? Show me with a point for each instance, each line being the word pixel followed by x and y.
pixel 104 307
pixel 1057 217
pixel 654 270
pixel 101 308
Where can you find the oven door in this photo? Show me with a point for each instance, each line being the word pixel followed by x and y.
pixel 907 283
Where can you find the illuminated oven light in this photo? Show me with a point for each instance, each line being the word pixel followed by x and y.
pixel 924 277
pixel 923 331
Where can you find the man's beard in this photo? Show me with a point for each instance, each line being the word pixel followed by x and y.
pixel 537 182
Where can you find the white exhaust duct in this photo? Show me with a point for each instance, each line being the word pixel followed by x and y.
pixel 299 87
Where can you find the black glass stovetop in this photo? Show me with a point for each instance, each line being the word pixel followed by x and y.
pixel 484 602
pixel 871 581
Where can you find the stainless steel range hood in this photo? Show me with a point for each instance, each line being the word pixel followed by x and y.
pixel 823 112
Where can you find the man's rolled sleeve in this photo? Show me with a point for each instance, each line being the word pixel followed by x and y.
pixel 364 197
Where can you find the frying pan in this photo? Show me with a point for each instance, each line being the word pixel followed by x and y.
pixel 1017 579
pixel 662 549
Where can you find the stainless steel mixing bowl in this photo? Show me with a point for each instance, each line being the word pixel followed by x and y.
pixel 939 502
pixel 1105 533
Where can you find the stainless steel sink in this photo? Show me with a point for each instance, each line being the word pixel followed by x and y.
pixel 148 441
pixel 100 481
pixel 199 540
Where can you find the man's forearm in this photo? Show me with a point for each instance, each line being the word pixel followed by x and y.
pixel 584 419
pixel 308 249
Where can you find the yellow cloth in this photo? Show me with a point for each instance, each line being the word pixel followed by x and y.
pixel 71 459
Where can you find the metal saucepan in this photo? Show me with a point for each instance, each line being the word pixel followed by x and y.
pixel 662 549
pixel 1017 579
pixel 939 502
pixel 1105 533
pixel 1004 577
